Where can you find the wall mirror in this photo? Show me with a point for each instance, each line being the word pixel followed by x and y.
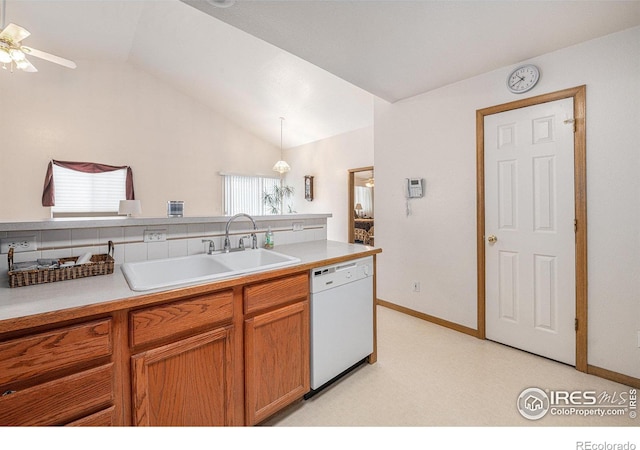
pixel 361 213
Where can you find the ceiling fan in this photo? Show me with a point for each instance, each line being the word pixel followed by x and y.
pixel 14 54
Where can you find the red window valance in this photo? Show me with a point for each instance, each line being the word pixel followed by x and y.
pixel 48 193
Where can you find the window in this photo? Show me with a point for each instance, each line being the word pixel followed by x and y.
pixel 244 194
pixel 73 188
pixel 364 196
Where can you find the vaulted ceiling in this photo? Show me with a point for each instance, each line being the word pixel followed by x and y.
pixel 318 63
pixel 397 49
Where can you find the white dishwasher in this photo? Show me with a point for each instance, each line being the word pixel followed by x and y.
pixel 341 319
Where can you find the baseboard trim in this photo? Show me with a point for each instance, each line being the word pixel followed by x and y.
pixel 592 370
pixel 428 318
pixel 613 376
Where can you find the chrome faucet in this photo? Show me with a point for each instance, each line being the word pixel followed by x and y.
pixel 254 238
pixel 212 246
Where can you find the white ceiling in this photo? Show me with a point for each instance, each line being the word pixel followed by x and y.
pixel 307 49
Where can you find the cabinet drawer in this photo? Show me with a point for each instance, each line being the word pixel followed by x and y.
pixel 59 401
pixel 104 418
pixel 159 322
pixel 272 293
pixel 26 357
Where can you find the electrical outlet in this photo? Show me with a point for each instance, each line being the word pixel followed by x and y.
pixel 18 243
pixel 416 286
pixel 155 235
pixel 298 226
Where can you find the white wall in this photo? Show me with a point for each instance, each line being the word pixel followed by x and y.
pixel 433 136
pixel 115 114
pixel 328 161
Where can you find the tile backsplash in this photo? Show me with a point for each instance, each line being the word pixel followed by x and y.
pixel 182 239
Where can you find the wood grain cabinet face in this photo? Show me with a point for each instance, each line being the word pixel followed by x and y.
pixel 59 401
pixel 104 418
pixel 276 350
pixel 34 355
pixel 261 296
pixel 51 369
pixel 179 317
pixel 186 383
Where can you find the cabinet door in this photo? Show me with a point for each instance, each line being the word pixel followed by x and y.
pixel 276 360
pixel 187 383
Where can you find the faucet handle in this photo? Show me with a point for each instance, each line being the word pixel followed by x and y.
pixel 241 242
pixel 212 245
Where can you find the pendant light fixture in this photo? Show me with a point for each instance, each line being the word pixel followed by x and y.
pixel 281 166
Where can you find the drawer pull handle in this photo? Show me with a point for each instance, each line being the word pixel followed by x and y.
pixel 9 392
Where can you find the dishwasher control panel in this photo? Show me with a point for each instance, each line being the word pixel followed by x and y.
pixel 335 275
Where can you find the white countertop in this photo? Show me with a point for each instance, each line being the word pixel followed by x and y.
pixel 25 301
pixel 120 221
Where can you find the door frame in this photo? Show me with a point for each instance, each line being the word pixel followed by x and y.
pixel 580 192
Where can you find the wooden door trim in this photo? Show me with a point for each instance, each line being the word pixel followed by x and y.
pixel 580 191
pixel 350 198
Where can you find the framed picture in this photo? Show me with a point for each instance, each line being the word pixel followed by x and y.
pixel 308 187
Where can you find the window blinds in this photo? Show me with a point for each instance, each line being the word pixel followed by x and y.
pixel 82 192
pixel 243 194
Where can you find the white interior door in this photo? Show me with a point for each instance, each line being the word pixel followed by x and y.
pixel 529 229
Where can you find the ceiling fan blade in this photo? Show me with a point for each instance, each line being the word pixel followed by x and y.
pixel 27 66
pixel 49 57
pixel 14 33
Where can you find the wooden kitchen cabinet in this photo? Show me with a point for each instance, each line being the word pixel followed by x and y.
pixel 232 352
pixel 186 383
pixel 276 345
pixel 57 377
pixel 189 381
pixel 184 378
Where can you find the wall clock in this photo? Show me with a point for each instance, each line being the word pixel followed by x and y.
pixel 308 187
pixel 523 78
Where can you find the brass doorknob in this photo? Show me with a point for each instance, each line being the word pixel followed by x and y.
pixel 492 239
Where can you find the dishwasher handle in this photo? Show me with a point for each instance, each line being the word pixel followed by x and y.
pixel 346 266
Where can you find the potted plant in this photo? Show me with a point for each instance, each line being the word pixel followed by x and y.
pixel 274 200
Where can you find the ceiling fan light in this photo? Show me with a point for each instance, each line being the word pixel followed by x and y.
pixel 22 64
pixel 281 167
pixel 16 54
pixel 4 56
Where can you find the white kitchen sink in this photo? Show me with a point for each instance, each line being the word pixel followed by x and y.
pixel 249 259
pixel 169 272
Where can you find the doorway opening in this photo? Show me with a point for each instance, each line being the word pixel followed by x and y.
pixel 360 211
pixel 579 114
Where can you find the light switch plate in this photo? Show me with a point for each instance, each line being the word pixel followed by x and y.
pixel 19 244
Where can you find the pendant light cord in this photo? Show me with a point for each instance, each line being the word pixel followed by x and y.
pixel 281 120
pixel 4 13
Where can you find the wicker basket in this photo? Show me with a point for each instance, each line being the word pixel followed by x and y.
pixel 99 265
